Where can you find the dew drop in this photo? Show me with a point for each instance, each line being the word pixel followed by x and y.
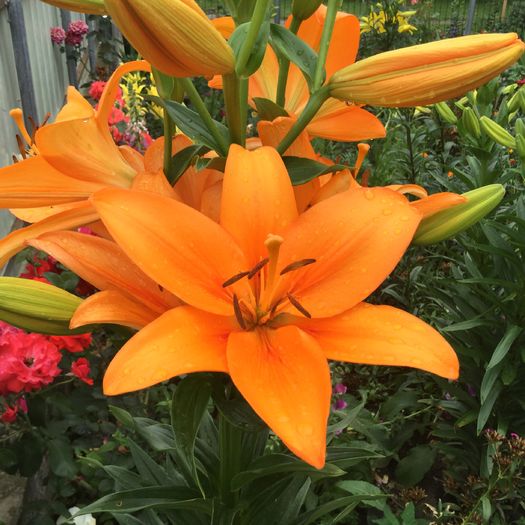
pixel 306 430
pixel 369 195
pixel 387 211
pixel 404 218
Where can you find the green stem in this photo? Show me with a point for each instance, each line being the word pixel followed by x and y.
pixel 169 128
pixel 243 108
pixel 202 110
pixel 258 17
pixel 328 29
pixel 285 68
pixel 308 113
pixel 232 100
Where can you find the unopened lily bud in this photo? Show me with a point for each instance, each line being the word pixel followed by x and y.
pixel 175 36
pixel 90 7
pixel 36 306
pixel 520 146
pixel 514 102
pixel 522 99
pixel 446 113
pixel 497 133
pixel 447 223
pixel 471 122
pixel 426 73
pixel 303 9
pixel 519 126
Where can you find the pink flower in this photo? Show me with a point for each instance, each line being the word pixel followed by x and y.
pixel 340 388
pixel 9 416
pixel 81 369
pixel 340 404
pixel 76 32
pixel 71 343
pixel 58 35
pixel 96 89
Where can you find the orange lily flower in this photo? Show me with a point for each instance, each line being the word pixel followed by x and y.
pixel 127 297
pixel 72 158
pixel 271 294
pixel 335 120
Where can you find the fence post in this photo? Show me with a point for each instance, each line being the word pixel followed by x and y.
pixel 470 17
pixel 65 17
pixel 22 61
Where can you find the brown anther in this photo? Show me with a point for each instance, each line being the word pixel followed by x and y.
pixel 258 267
pixel 238 312
pixel 21 146
pixel 299 306
pixel 296 265
pixel 34 126
pixel 234 279
pixel 15 159
pixel 161 288
pixel 364 178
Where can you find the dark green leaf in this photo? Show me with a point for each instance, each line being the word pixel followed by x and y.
pixel 268 110
pixel 182 160
pixel 511 334
pixel 122 416
pixel 486 407
pixel 257 52
pixel 150 471
pixel 363 488
pixel 303 170
pixel 215 163
pixel 413 467
pixel 290 46
pixel 61 459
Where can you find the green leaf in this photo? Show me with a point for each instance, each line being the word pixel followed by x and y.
pixel 61 459
pixel 150 471
pixel 190 402
pixel 303 170
pixel 258 50
pixel 191 124
pixel 290 46
pixel 158 436
pixel 348 456
pixel 511 334
pixel 268 110
pixel 279 464
pixel 486 407
pixel 362 488
pixel 182 160
pixel 122 416
pixel 157 497
pixel 215 163
pixel 413 467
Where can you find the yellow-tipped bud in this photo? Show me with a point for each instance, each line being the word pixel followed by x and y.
pixel 446 113
pixel 90 7
pixel 470 121
pixel 36 306
pixel 427 73
pixel 303 9
pixel 447 223
pixel 497 133
pixel 175 36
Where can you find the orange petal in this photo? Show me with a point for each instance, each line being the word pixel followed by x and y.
pixel 181 249
pixel 103 264
pixel 132 157
pixel 383 335
pixel 15 241
pixel 284 376
pixel 357 238
pixel 338 182
pixel 33 183
pixel 211 201
pixel 257 199
pixel 225 25
pixel 263 83
pixel 346 123
pixel 410 189
pixel 43 212
pixel 76 107
pixel 154 156
pixel 154 182
pixel 112 307
pixel 79 149
pixel 181 341
pixel 438 201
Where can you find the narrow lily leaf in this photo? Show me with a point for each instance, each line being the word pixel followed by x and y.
pixel 190 402
pixel 268 110
pixel 191 124
pixel 486 407
pixel 303 170
pixel 182 160
pixel 215 163
pixel 363 488
pixel 157 497
pixel 255 59
pixel 512 333
pixel 290 46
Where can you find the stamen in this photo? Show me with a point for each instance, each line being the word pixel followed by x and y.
pixel 364 178
pixel 299 306
pixel 257 268
pixel 18 117
pixel 362 152
pixel 234 279
pixel 238 312
pixel 21 146
pixel 296 265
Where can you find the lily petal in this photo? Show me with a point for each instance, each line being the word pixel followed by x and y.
pixel 103 264
pixel 181 249
pixel 181 341
pixel 383 335
pixel 15 241
pixel 112 307
pixel 356 237
pixel 43 212
pixel 432 204
pixel 257 199
pixel 284 376
pixel 76 107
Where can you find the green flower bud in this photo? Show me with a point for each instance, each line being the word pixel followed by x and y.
pixel 303 9
pixel 497 133
pixel 514 102
pixel 36 306
pixel 445 112
pixel 519 127
pixel 447 223
pixel 470 122
pixel 520 146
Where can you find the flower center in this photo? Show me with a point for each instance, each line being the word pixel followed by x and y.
pixel 267 298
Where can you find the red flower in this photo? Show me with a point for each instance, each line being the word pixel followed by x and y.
pixel 71 343
pixel 81 369
pixel 9 416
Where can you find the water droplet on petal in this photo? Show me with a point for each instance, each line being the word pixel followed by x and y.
pixel 369 194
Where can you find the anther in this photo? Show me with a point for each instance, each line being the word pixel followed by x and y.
pixel 258 267
pixel 17 115
pixel 161 288
pixel 296 265
pixel 238 312
pixel 299 306
pixel 21 146
pixel 234 279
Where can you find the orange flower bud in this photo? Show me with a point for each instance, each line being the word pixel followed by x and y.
pixel 427 73
pixel 90 7
pixel 175 36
